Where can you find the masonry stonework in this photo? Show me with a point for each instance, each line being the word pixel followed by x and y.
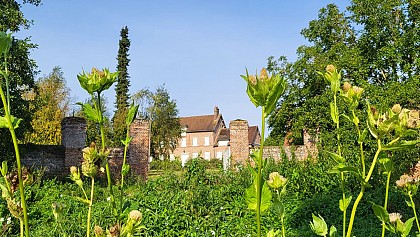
pixel 239 145
pixel 73 138
pixel 139 148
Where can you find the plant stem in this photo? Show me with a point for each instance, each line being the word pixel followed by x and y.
pixel 17 154
pixel 259 176
pixel 90 207
pixel 341 173
pixel 362 191
pixel 108 171
pixel 386 200
pixel 122 173
pixel 414 210
pixel 362 154
pixel 21 227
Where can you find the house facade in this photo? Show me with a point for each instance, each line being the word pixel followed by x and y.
pixel 208 137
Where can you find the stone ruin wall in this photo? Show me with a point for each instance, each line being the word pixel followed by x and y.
pixel 56 160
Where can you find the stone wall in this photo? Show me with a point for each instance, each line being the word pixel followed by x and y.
pixel 57 160
pixel 48 158
pixel 299 152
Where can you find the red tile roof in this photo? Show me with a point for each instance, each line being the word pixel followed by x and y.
pixel 253 131
pixel 203 123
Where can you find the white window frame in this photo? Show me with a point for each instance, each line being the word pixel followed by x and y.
pixel 195 141
pixel 195 155
pixel 183 142
pixel 206 141
pixel 207 155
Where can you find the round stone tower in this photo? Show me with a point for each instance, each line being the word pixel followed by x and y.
pixel 73 138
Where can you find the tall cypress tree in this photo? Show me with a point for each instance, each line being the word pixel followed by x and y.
pixel 122 86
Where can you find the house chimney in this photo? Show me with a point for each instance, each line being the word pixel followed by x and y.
pixel 216 112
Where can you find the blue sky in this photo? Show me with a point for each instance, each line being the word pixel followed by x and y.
pixel 198 49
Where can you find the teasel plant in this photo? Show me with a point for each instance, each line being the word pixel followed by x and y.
pixel 95 83
pixel 389 129
pixel 18 208
pixel 264 91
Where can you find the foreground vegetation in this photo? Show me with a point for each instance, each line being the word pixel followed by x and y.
pixel 196 202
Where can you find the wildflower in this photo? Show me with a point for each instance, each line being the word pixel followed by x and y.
pixel 98 231
pixel 264 90
pixel 9 220
pixel 346 86
pixel 330 68
pixel 351 95
pixel 97 80
pixel 135 215
pixel 396 108
pixel 1 219
pixel 394 217
pixel 404 181
pixel 108 199
pixel 276 181
pixel 102 170
pixel 413 119
pixel 73 169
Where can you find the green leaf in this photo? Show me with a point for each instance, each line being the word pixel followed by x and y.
pixel 386 164
pixel 407 227
pixel 251 196
pixel 402 145
pixel 131 115
pixel 4 192
pixel 278 207
pixel 4 168
pixel 90 113
pixel 271 233
pixel 83 200
pixel 333 112
pixel 409 204
pixel 318 225
pixel 362 137
pixel 125 169
pixel 344 204
pixel 3 122
pixel 333 231
pixel 336 157
pixel 381 213
pixel 126 141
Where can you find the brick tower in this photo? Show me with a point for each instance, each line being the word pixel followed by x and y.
pixel 138 157
pixel 239 143
pixel 73 138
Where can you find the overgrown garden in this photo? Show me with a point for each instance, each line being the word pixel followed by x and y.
pixel 356 88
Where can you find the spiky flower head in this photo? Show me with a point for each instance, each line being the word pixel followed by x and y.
pixel 97 80
pixel 396 108
pixel 135 215
pixel 351 95
pixel 332 77
pixel 99 232
pixel 330 68
pixel 276 181
pixel 265 90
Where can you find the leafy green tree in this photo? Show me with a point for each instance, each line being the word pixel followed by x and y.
pixel 50 106
pixel 122 87
pixel 162 112
pixel 22 69
pixel 375 44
